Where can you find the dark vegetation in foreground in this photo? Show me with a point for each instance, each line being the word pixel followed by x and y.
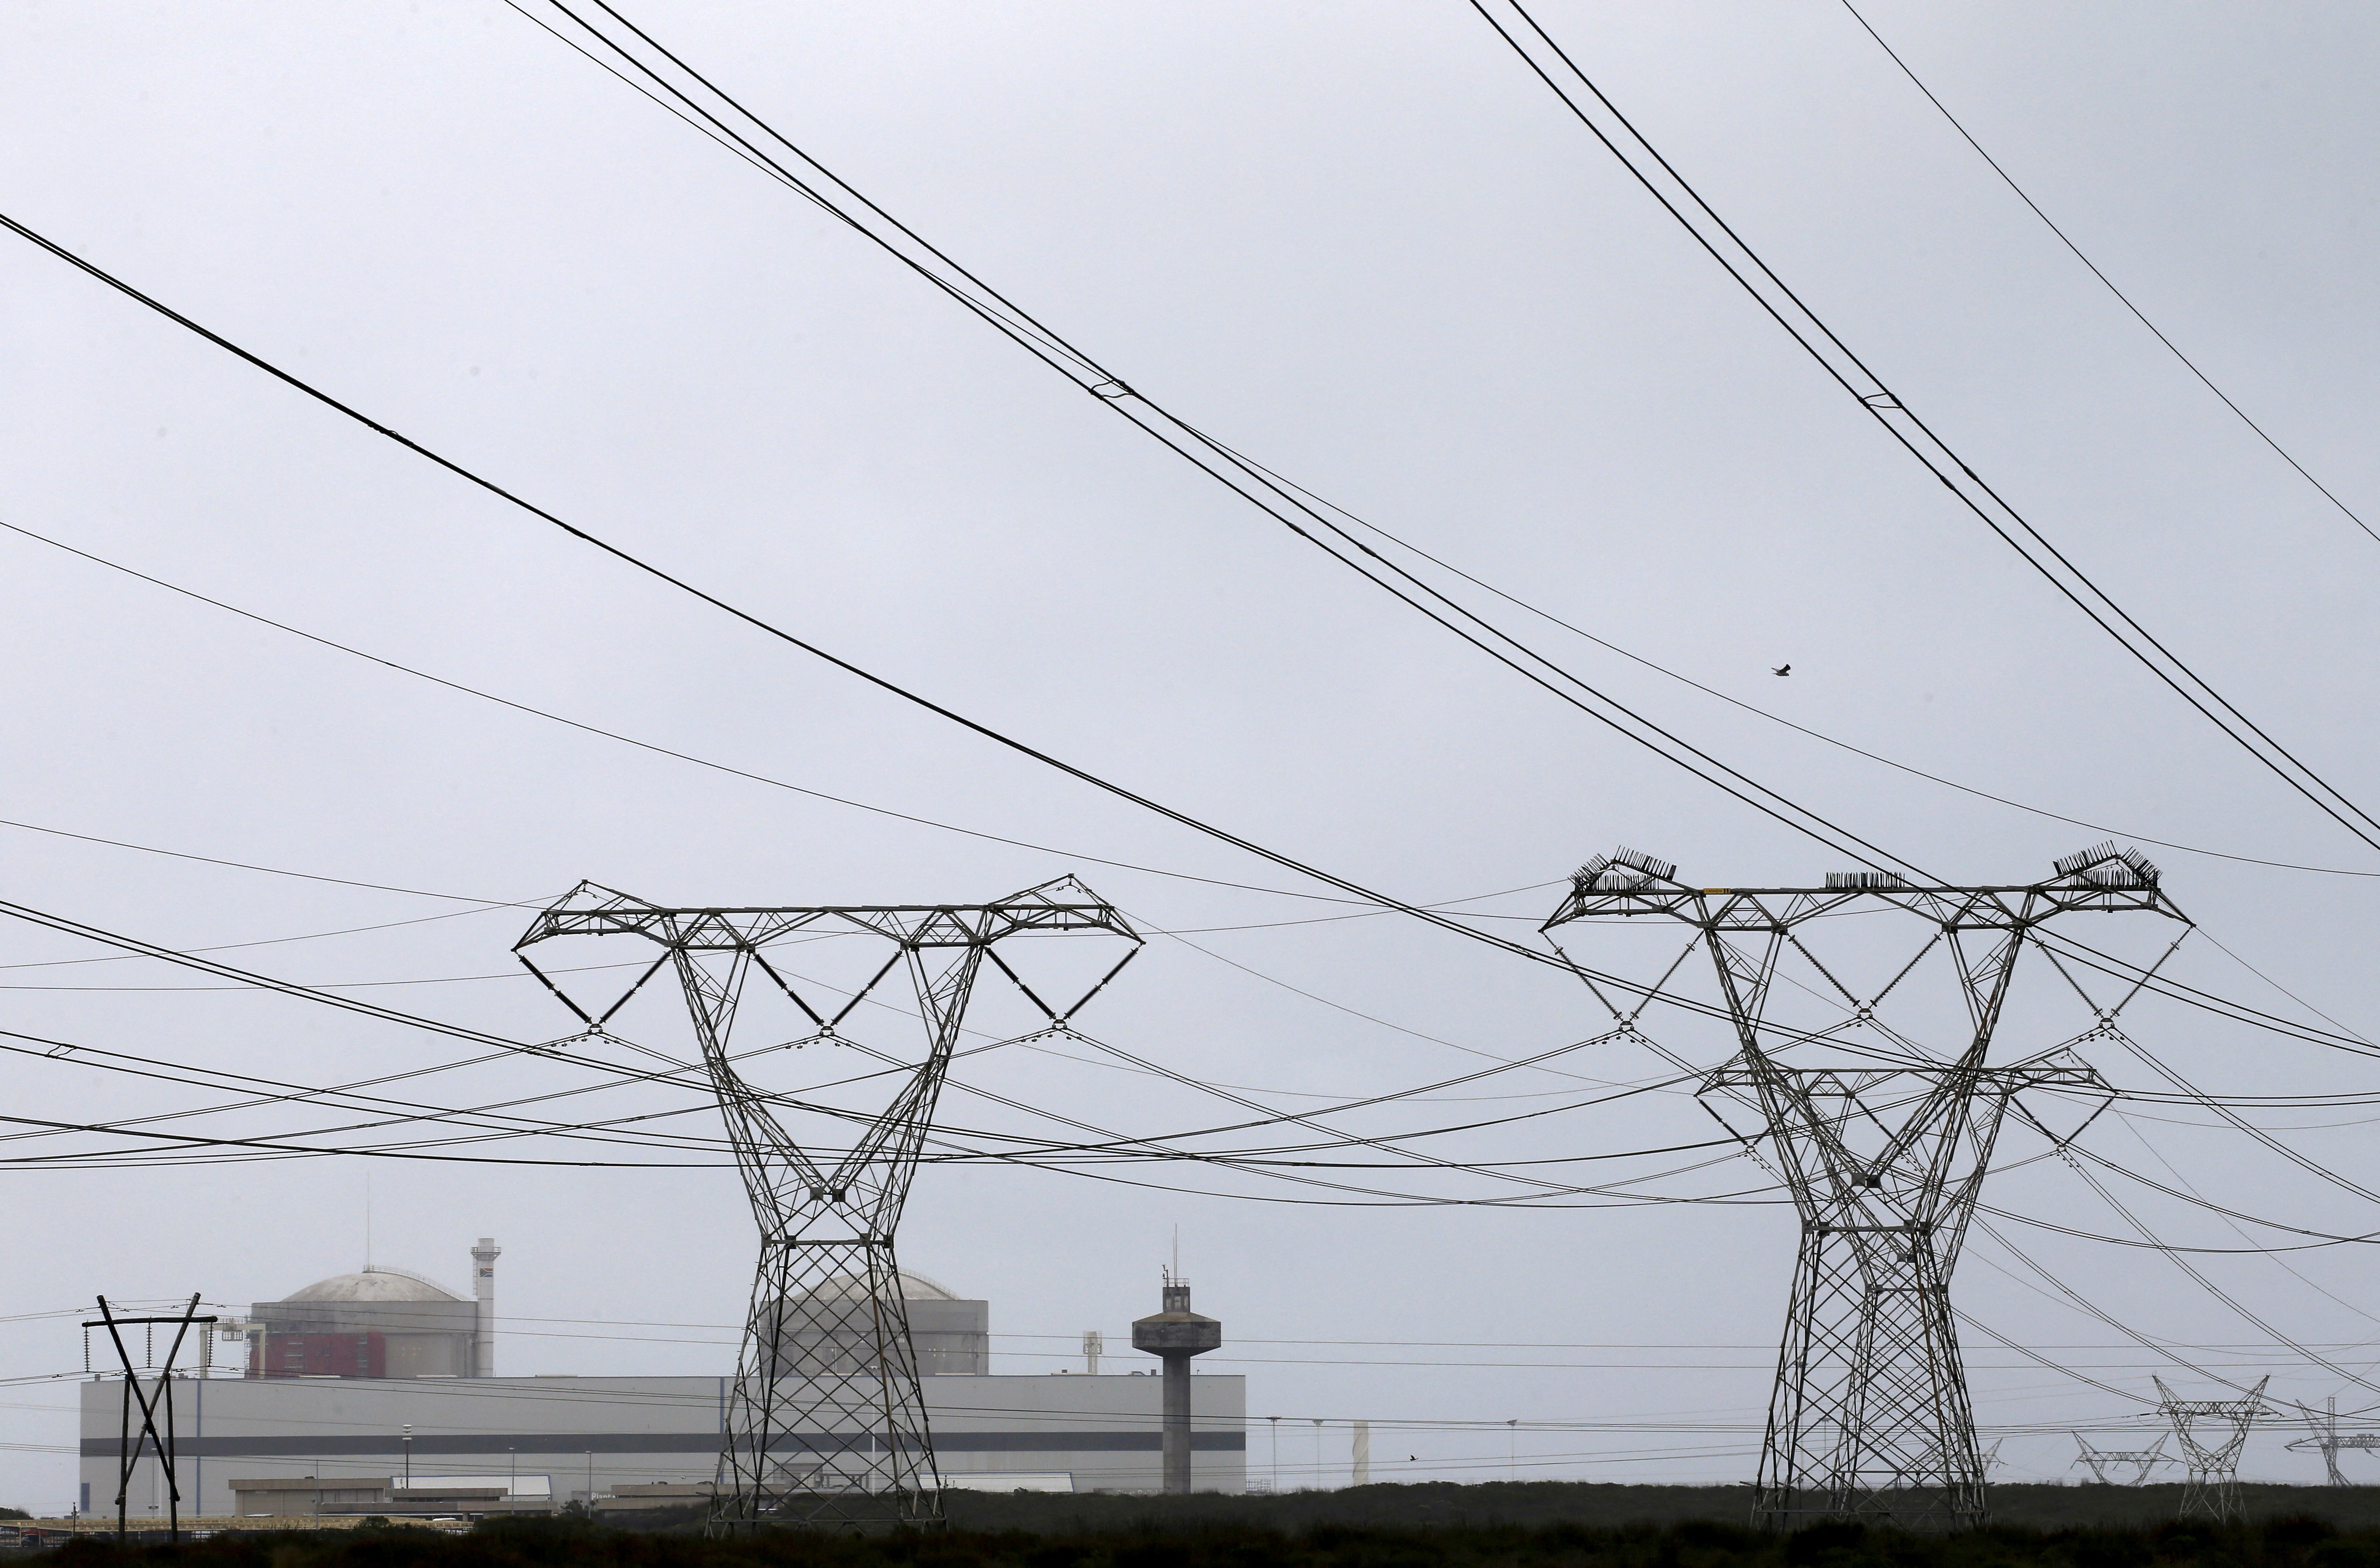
pixel 1536 1525
pixel 1441 1503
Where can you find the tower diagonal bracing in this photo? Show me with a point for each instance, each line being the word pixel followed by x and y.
pixel 825 1420
pixel 1881 1138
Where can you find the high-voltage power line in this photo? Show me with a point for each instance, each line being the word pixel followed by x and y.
pixel 1586 103
pixel 1358 891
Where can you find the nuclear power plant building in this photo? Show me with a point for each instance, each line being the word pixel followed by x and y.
pixel 357 1384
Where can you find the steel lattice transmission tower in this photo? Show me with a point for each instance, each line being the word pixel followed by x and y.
pixel 2212 1490
pixel 2327 1440
pixel 1884 1155
pixel 825 1422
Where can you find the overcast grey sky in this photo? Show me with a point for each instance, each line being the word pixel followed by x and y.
pixel 1358 243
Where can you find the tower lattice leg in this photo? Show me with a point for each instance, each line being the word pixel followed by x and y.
pixel 826 1419
pixel 1870 1417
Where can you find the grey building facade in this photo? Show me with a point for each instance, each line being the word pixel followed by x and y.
pixel 591 1435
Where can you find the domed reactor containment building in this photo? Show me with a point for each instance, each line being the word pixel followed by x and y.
pixel 377 1392
pixel 953 1337
pixel 380 1323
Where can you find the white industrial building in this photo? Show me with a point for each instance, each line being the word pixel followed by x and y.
pixel 348 1387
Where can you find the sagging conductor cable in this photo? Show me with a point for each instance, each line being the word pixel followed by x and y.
pixel 535 712
pixel 700 103
pixel 1287 862
pixel 1550 958
pixel 1552 65
pixel 652 69
pixel 2121 297
pixel 497 1043
pixel 293 989
pixel 1271 492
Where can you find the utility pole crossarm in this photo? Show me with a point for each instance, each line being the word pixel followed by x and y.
pixel 153 1435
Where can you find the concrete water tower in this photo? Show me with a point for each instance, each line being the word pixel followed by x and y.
pixel 1174 1336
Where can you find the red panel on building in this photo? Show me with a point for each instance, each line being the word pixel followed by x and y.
pixel 322 1356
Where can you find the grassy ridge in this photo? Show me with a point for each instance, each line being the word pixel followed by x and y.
pixel 2278 1543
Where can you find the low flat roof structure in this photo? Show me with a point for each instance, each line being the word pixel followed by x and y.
pixel 593 1435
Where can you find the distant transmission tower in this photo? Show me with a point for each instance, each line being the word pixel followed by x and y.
pixel 2327 1440
pixel 1885 1157
pixel 825 1421
pixel 2212 1490
pixel 2106 1463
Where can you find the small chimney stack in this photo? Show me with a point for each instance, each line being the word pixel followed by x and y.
pixel 483 1290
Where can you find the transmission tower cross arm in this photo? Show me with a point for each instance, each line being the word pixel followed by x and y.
pixel 592 909
pixel 1627 884
pixel 1064 906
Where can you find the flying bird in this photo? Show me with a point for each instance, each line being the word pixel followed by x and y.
pixel 1782 670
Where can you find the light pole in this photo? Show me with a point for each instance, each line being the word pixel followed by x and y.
pixel 408 1458
pixel 1317 1453
pixel 1513 1450
pixel 512 1477
pixel 591 1483
pixel 1276 1453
